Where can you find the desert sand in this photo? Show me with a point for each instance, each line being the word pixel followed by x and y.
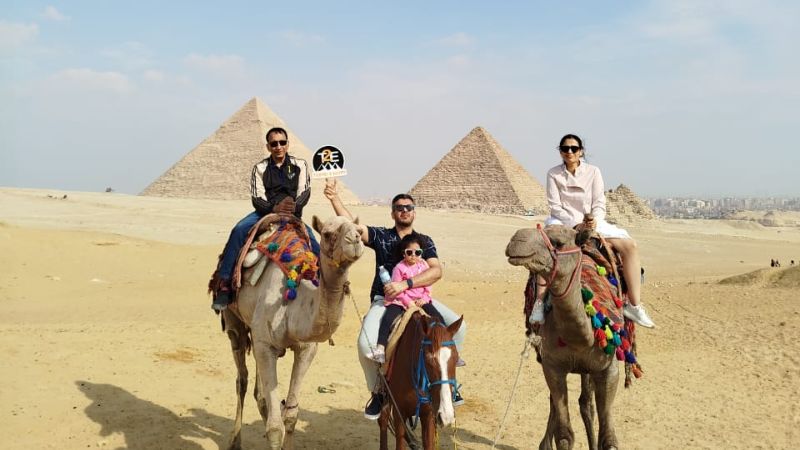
pixel 108 341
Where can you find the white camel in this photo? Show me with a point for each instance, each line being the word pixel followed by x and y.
pixel 272 325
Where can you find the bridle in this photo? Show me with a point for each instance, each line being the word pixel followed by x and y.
pixel 422 383
pixel 554 253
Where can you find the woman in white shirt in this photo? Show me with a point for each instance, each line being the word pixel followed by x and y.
pixel 574 189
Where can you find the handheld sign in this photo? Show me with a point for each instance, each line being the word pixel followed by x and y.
pixel 328 162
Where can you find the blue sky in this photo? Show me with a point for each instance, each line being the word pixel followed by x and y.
pixel 671 97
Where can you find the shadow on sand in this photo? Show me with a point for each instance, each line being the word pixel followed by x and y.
pixel 146 425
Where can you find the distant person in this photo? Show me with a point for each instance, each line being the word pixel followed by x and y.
pixel 385 241
pixel 791 263
pixel 279 184
pixel 777 263
pixel 772 263
pixel 575 189
pixel 411 264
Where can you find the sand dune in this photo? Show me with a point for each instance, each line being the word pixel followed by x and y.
pixel 108 341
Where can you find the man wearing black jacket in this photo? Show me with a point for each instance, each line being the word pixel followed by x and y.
pixel 280 184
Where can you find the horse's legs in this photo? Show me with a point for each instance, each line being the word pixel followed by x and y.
pixel 237 333
pixel 586 402
pixel 303 356
pixel 428 421
pixel 557 382
pixel 605 391
pixel 383 425
pixel 267 379
pixel 399 430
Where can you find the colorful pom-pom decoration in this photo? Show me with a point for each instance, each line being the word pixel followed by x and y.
pixel 601 271
pixel 590 310
pixel 291 294
pixel 272 247
pixel 620 354
pixel 291 283
pixel 286 256
pixel 596 322
pixel 315 282
pixel 586 294
pixel 613 281
pixel 618 302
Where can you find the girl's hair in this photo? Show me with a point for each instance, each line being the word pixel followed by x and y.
pixel 570 136
pixel 406 242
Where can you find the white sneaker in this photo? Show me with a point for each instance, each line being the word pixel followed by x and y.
pixel 638 314
pixel 537 314
pixel 378 354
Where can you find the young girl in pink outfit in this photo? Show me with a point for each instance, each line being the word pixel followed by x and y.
pixel 411 265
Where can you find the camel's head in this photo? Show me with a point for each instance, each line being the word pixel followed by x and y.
pixel 527 247
pixel 341 242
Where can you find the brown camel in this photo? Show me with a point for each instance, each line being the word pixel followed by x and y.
pixel 276 325
pixel 568 343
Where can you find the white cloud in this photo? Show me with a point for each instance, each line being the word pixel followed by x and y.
pixel 130 55
pixel 459 39
pixel 15 35
pixel 51 13
pixel 300 39
pixel 89 79
pixel 230 66
pixel 153 75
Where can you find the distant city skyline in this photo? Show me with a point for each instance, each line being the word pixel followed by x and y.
pixel 673 98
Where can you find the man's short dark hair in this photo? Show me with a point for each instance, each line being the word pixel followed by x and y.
pixel 402 197
pixel 276 130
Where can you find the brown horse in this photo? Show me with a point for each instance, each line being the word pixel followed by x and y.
pixel 422 381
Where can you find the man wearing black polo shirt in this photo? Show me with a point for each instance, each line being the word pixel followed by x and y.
pixel 383 241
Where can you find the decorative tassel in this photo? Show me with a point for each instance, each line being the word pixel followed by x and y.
pixel 596 322
pixel 613 281
pixel 590 310
pixel 609 334
pixel 637 370
pixel 291 284
pixel 292 274
pixel 609 349
pixel 617 340
pixel 601 271
pixel 291 294
pixel 623 332
pixel 618 302
pixel 629 358
pixel 286 256
pixel 601 318
pixel 602 343
pixel 598 334
pixel 272 247
pixel 596 305
pixel 626 345
pixel 620 354
pixel 315 282
pixel 586 294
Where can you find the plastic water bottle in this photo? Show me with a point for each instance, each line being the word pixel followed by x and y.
pixel 384 275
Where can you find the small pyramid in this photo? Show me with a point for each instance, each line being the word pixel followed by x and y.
pixel 624 207
pixel 221 166
pixel 479 174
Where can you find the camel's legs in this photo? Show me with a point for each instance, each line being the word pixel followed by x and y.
pixel 586 402
pixel 260 401
pixel 549 434
pixel 303 356
pixel 605 391
pixel 237 333
pixel 557 383
pixel 267 378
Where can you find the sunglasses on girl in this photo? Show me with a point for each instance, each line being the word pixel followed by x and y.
pixel 569 148
pixel 410 252
pixel 400 208
pixel 275 144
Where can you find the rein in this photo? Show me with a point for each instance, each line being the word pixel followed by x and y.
pixel 554 253
pixel 421 380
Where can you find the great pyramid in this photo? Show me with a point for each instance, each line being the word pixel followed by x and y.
pixel 623 207
pixel 221 166
pixel 478 174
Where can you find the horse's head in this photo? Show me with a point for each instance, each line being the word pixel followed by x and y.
pixel 340 242
pixel 529 247
pixel 440 355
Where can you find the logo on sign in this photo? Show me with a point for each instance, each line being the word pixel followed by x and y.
pixel 328 162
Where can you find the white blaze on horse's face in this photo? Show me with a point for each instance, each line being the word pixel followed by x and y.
pixel 446 412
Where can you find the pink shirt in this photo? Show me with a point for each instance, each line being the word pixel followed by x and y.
pixel 571 196
pixel 403 272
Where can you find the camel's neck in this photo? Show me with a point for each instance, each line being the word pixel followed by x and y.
pixel 321 313
pixel 569 312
